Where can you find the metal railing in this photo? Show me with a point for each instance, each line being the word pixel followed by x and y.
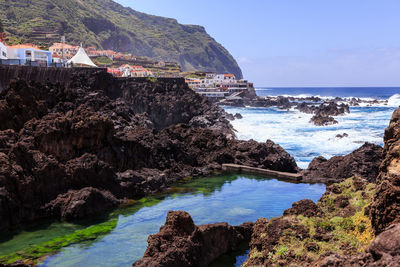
pixel 21 62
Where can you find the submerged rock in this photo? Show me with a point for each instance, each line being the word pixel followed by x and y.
pixel 340 136
pixel 181 243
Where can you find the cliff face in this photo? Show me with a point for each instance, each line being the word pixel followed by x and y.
pixel 106 24
pixel 74 148
pixel 386 207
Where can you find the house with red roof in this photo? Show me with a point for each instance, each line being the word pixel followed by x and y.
pixel 134 71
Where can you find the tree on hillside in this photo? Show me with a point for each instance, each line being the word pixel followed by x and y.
pixel 1 26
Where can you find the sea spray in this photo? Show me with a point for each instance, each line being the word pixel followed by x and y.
pixel 303 140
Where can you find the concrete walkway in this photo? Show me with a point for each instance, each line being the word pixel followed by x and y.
pixel 253 170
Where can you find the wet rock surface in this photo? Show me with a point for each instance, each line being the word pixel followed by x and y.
pixel 319 120
pixel 73 149
pixel 323 110
pixel 182 243
pixel 310 105
pixel 363 162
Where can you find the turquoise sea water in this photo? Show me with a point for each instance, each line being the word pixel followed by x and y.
pixel 225 198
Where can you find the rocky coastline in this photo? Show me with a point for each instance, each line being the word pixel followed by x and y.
pixel 323 110
pixel 355 223
pixel 75 148
pixel 90 143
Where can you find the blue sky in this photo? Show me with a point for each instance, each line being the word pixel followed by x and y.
pixel 299 42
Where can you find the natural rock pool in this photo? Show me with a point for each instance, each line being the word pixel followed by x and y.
pixel 232 198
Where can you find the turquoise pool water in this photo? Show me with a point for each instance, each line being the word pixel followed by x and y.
pixel 225 198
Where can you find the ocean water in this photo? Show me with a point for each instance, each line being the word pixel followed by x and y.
pixel 304 141
pixel 224 198
pixel 381 93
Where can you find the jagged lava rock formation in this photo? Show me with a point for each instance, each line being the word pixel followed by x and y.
pixel 363 163
pixel 74 148
pixel 386 207
pixel 181 243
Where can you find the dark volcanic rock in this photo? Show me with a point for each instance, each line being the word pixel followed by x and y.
pixel 181 243
pixel 305 207
pixel 16 264
pixel 386 208
pixel 324 110
pixel 363 162
pixel 238 116
pixel 384 251
pixel 122 138
pixel 332 109
pixel 80 204
pixel 320 120
pixel 342 135
pixel 305 108
pixel 387 244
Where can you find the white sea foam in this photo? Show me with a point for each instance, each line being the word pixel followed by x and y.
pixel 394 100
pixel 292 130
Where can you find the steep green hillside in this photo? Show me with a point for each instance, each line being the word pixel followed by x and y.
pixel 106 24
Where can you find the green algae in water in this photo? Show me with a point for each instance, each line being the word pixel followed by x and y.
pixel 36 251
pixel 231 198
pixel 50 241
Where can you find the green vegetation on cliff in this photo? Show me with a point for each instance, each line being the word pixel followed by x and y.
pixel 338 223
pixel 106 24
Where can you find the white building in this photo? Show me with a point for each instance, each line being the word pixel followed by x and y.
pixel 134 71
pixel 3 51
pixel 69 50
pixel 29 53
pixel 216 80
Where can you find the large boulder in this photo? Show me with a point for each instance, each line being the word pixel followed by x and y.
pixel 363 163
pixel 78 204
pixel 181 243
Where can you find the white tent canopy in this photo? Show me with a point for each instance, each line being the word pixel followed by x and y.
pixel 81 58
